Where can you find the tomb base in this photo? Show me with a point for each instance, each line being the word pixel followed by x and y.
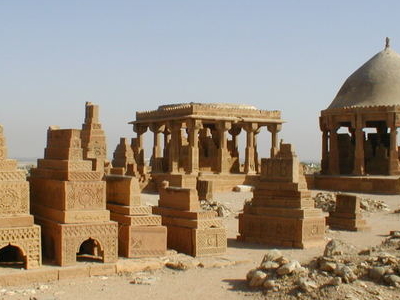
pixel 27 239
pixel 142 241
pixel 62 242
pixel 336 221
pixel 281 231
pixel 197 242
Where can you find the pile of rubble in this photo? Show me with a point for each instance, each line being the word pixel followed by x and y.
pixel 327 202
pixel 340 269
pixel 221 209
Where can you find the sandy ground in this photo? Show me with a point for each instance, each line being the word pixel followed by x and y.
pixel 214 283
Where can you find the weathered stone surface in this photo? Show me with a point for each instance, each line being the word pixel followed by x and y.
pixel 72 209
pixel 257 278
pixel 282 212
pixel 17 230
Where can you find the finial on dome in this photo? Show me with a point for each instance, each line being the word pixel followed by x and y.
pixel 387 43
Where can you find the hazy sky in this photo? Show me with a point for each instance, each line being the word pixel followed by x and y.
pixel 130 56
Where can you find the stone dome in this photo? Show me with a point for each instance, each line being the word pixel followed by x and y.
pixel 376 83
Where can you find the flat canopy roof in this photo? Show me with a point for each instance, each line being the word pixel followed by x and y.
pixel 208 111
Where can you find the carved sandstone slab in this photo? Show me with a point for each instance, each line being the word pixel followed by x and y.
pixel 17 232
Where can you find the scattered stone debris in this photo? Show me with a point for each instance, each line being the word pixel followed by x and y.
pixel 243 188
pixel 327 202
pixel 221 209
pixel 341 272
pixel 144 279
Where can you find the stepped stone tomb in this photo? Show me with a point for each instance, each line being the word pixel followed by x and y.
pixel 347 215
pixel 360 149
pixel 94 140
pixel 140 232
pixel 282 211
pixel 200 142
pixel 68 200
pixel 20 242
pixel 190 229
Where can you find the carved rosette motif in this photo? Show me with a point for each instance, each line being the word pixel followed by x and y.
pixel 14 198
pixel 85 195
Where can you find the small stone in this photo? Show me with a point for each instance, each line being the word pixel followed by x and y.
pixel 43 287
pixel 282 260
pixel 272 255
pixel 250 274
pixel 335 281
pixel 376 273
pixel 327 266
pixel 145 280
pixel 346 273
pixel 288 268
pixel 268 265
pixel 306 285
pixel 257 279
pixel 337 247
pixel 392 280
pixel 269 284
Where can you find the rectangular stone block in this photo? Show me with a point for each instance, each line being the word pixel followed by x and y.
pixel 129 210
pixel 149 220
pixel 123 190
pixel 8 164
pixel 12 175
pixel 195 224
pixel 66 165
pixel 63 153
pixel 168 212
pixel 197 242
pixel 16 221
pixel 14 198
pixel 73 272
pixel 66 239
pixel 72 216
pixel 142 241
pixel 179 198
pixel 66 175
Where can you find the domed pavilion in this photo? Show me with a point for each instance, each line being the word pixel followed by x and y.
pixel 359 128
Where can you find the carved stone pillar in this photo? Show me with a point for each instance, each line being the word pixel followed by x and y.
pixel 333 152
pixel 249 163
pixel 156 162
pixel 274 129
pixel 256 162
pixel 223 154
pixel 234 132
pixel 325 159
pixel 393 152
pixel 359 162
pixel 167 139
pixel 140 130
pixel 193 133
pixel 175 128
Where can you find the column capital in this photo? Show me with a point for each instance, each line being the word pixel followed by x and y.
pixel 275 127
pixel 139 128
pixel 174 126
pixel 250 127
pixel 157 127
pixel 223 125
pixel 194 124
pixel 235 130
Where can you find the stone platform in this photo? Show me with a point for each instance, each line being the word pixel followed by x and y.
pixel 388 185
pixel 221 183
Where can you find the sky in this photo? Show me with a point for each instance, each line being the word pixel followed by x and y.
pixel 130 56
